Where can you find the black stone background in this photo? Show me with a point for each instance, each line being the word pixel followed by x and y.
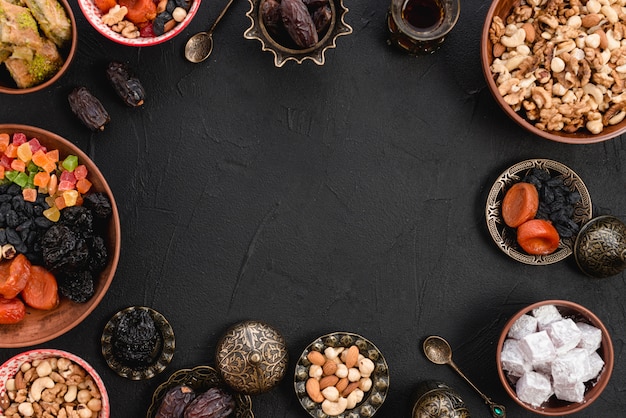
pixel 343 197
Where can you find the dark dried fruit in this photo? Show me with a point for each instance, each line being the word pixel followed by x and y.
pixel 175 401
pixel 136 340
pixel 214 403
pixel 99 204
pixel 125 84
pixel 321 18
pixel 314 4
pixel 270 12
pixel 298 23
pixel 88 109
pixel 64 251
pixel 77 287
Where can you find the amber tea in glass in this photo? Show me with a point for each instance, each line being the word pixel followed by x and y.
pixel 420 26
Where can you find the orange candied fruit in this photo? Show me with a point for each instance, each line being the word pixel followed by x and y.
pixel 5 139
pixel 41 179
pixel 30 195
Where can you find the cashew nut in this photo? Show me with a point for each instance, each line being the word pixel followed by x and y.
pixel 514 40
pixel 38 386
pixel 70 395
pixel 332 352
pixel 334 408
pixel 354 398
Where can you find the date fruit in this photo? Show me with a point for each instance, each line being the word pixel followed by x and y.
pixel 175 401
pixel 214 403
pixel 88 109
pixel 298 23
pixel 125 84
pixel 270 11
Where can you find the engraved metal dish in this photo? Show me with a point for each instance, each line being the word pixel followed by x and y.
pixel 200 379
pixel 373 399
pixel 158 365
pixel 282 53
pixel 553 406
pixel 505 237
pixel 600 248
pixel 252 357
pixel 437 399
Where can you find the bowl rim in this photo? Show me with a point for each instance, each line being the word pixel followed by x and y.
pixel 606 347
pixel 86 5
pixel 41 353
pixel 563 137
pixel 381 362
pixel 114 221
pixel 66 64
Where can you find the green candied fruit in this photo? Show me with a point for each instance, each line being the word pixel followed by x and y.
pixel 70 163
pixel 21 179
pixel 11 175
pixel 32 168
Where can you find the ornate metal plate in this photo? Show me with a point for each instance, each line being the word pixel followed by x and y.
pixel 505 237
pixel 167 350
pixel 282 54
pixel 200 379
pixel 373 399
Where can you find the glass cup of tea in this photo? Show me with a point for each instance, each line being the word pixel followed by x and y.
pixel 420 26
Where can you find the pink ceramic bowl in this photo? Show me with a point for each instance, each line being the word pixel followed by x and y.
pixel 94 16
pixel 555 407
pixel 10 368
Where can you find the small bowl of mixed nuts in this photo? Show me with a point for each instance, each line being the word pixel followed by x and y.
pixel 54 382
pixel 297 30
pixel 559 72
pixel 341 374
pixel 139 23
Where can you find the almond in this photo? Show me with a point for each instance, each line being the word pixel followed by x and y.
pixel 327 381
pixel 316 357
pixel 329 368
pixel 342 384
pixel 530 32
pixel 591 20
pixel 313 390
pixel 352 357
pixel 498 50
pixel 349 389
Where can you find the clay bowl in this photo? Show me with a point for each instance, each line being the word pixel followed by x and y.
pixel 503 8
pixel 200 379
pixel 8 86
pixel 600 248
pixel 594 388
pixel 10 368
pixel 41 326
pixel 284 49
pixel 373 398
pixel 94 17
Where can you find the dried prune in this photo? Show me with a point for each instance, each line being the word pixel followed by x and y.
pixel 63 250
pixel 98 254
pixel 136 340
pixel 214 403
pixel 270 12
pixel 77 287
pixel 99 204
pixel 79 219
pixel 175 401
pixel 298 23
pixel 125 84
pixel 88 109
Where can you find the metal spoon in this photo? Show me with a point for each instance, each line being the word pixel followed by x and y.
pixel 200 45
pixel 439 351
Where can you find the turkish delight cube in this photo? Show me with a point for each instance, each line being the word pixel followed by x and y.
pixel 537 348
pixel 570 393
pixel 512 359
pixel 570 367
pixel 591 337
pixel 595 367
pixel 533 388
pixel 545 315
pixel 564 334
pixel 524 325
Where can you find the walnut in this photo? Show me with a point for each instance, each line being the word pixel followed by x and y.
pixel 115 15
pixel 541 97
pixel 496 30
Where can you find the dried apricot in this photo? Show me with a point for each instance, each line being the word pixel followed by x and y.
pixel 18 274
pixel 139 11
pixel 105 5
pixel 41 291
pixel 538 237
pixel 520 204
pixel 12 311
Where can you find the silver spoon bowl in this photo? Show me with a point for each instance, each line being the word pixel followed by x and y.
pixel 199 46
pixel 439 351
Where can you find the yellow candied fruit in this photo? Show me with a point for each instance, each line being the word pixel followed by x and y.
pixel 24 153
pixel 52 214
pixel 70 197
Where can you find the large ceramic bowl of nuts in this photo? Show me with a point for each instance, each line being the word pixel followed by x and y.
pixel 139 23
pixel 297 30
pixel 554 357
pixel 341 375
pixel 46 45
pixel 557 71
pixel 77 244
pixel 42 382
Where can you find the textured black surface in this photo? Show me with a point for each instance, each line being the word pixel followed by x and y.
pixel 348 197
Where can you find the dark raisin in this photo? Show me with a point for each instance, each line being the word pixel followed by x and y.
pixel 5 197
pixel 126 85
pixel 3 236
pixel 158 24
pixel 88 109
pixel 14 189
pixel 13 237
pixel 175 401
pixel 298 23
